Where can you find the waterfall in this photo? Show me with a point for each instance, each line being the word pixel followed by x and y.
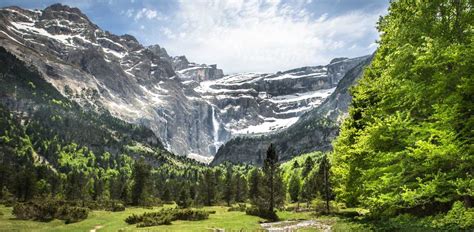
pixel 215 126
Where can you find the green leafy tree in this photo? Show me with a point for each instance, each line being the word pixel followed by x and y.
pixel 294 187
pixel 406 145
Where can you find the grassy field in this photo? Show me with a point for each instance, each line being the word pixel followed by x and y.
pixel 114 221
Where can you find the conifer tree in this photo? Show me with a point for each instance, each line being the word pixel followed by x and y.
pixel 141 181
pixel 228 186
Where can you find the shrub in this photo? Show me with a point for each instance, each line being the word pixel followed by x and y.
pixel 165 217
pixel 240 207
pixel 116 207
pixel 23 211
pixel 155 219
pixel 134 219
pixel 48 210
pixel 190 214
pixel 266 214
pixel 71 214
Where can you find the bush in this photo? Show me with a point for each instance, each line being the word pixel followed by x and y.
pixel 190 214
pixel 71 214
pixel 48 210
pixel 23 211
pixel 240 207
pixel 155 219
pixel 165 217
pixel 116 207
pixel 134 219
pixel 266 214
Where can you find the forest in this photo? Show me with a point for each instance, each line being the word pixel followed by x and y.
pixel 403 160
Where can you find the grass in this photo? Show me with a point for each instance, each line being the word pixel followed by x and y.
pixel 222 219
pixel 114 221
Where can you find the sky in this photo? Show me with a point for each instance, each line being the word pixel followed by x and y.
pixel 240 35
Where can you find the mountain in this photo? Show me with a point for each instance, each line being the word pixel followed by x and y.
pixel 192 108
pixel 314 130
pixel 37 121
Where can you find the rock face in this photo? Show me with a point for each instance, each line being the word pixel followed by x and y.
pixel 193 108
pixel 314 130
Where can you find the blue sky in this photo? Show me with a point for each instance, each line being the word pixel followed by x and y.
pixel 241 35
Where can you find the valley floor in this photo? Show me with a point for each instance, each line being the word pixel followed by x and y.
pixel 222 220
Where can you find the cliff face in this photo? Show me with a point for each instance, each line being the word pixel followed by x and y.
pixel 313 131
pixel 193 108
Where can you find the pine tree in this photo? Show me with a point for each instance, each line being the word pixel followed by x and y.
pixel 183 200
pixel 141 181
pixel 325 185
pixel 307 167
pixel 240 184
pixel 310 187
pixel 228 186
pixel 255 180
pixel 208 187
pixel 273 190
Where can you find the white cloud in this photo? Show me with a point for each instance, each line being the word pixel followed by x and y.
pixel 144 13
pixel 259 35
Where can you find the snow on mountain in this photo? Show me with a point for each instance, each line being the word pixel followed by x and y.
pixel 193 108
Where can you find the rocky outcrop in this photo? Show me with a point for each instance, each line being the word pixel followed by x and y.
pixel 313 131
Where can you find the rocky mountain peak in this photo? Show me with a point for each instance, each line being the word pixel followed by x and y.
pixel 193 108
pixel 59 11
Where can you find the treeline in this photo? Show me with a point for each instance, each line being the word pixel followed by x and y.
pixel 76 176
pixel 406 149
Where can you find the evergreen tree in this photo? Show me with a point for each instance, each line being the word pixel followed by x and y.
pixel 141 180
pixel 255 181
pixel 294 187
pixel 25 184
pixel 184 200
pixel 324 183
pixel 166 196
pixel 208 187
pixel 310 187
pixel 228 186
pixel 307 167
pixel 273 191
pixel 240 188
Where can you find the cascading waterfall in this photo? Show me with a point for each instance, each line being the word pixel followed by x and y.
pixel 215 126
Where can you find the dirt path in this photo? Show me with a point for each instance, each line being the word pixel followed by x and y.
pixel 288 226
pixel 96 228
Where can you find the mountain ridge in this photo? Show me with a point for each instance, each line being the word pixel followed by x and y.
pixel 193 108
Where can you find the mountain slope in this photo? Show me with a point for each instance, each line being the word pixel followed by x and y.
pixel 313 131
pixel 193 108
pixel 51 122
